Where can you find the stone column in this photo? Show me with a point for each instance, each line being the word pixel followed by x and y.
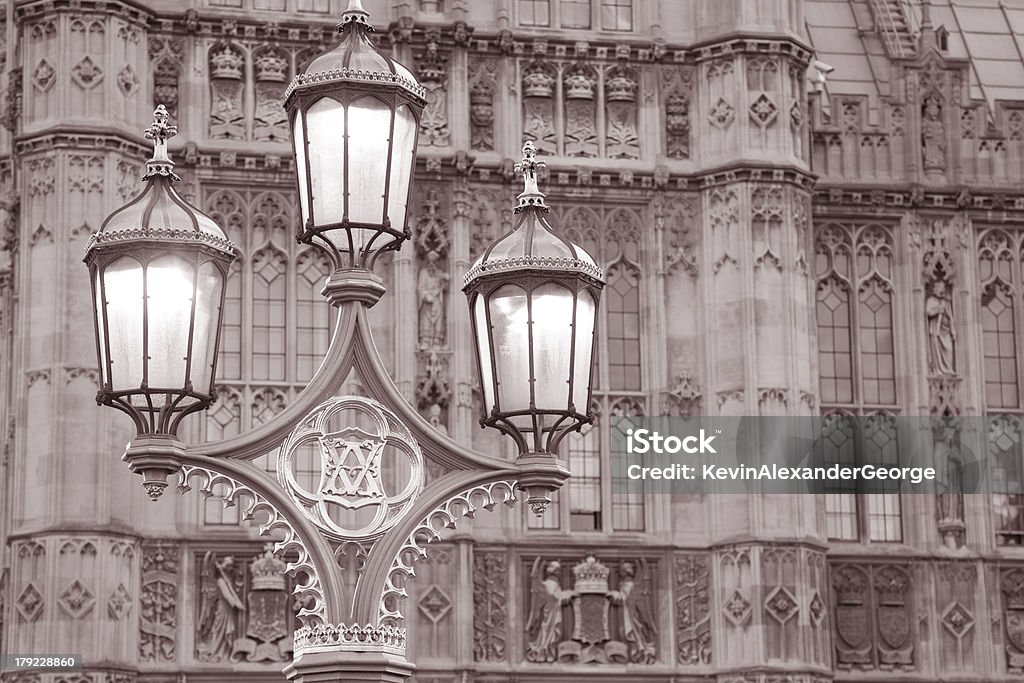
pixel 770 596
pixel 72 537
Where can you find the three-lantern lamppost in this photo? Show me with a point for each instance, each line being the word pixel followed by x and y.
pixel 159 267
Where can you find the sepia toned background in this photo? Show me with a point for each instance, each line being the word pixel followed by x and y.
pixel 802 206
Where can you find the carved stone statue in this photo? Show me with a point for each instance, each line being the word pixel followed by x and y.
pixel 933 135
pixel 950 486
pixel 544 625
pixel 219 611
pixel 432 283
pixel 941 336
pixel 638 628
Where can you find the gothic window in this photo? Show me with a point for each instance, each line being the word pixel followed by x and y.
pixel 857 382
pixel 535 12
pixel 607 15
pixel 593 501
pixel 999 270
pixel 277 325
pixel 617 15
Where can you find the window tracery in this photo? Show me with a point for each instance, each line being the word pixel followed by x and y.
pixel 857 366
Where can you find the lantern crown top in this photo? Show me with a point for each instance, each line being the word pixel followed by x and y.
pixel 159 213
pixel 528 167
pixel 533 244
pixel 355 14
pixel 160 131
pixel 356 61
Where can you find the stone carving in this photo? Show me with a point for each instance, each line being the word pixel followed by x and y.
pixel 432 285
pixel 677 126
pixel 544 624
pixel 684 398
pixel 433 393
pixel 158 602
pixel 268 628
pixel 1011 585
pixel 933 136
pixel 949 498
pixel 767 207
pixel 722 113
pixel 76 600
pixel 693 612
pixel 622 139
pixel 580 112
pixel 723 213
pixel 481 116
pixel 86 73
pixel 270 121
pixel 127 81
pixel 874 618
pixel 490 606
pixel 119 603
pixel 538 107
pixel 220 608
pixel 852 615
pixel 941 335
pixel 608 625
pixel 29 603
pixel 432 71
pixel 226 89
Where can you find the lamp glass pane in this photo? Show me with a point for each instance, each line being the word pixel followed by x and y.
pixel 170 283
pixel 204 339
pixel 551 318
pixel 101 332
pixel 325 123
pixel 369 122
pixel 586 320
pixel 402 161
pixel 483 339
pixel 123 292
pixel 510 344
pixel 299 140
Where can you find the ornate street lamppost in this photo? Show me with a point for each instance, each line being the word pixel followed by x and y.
pixel 372 498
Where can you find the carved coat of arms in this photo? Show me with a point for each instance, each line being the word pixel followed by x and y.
pixel 608 626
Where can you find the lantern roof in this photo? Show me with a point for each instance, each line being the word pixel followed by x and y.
pixel 356 60
pixel 160 213
pixel 533 244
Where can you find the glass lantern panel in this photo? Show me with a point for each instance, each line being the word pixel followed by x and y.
pixel 122 290
pixel 369 131
pixel 325 124
pixel 208 293
pixel 170 286
pixel 510 343
pixel 100 331
pixel 551 318
pixel 402 161
pixel 483 341
pixel 586 322
pixel 299 140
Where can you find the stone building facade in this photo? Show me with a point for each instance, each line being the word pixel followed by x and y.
pixel 803 207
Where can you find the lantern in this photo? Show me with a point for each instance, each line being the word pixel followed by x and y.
pixel 533 299
pixel 158 267
pixel 354 115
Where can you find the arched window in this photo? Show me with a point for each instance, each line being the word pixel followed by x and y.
pixel 857 365
pixel 593 500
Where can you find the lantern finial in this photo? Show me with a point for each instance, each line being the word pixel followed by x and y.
pixel 531 195
pixel 160 132
pixel 355 14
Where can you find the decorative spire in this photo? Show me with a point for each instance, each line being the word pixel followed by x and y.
pixel 531 195
pixel 355 14
pixel 160 132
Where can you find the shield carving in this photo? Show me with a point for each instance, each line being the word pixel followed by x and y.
pixel 266 616
pixel 591 618
pixel 893 625
pixel 1015 628
pixel 852 624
